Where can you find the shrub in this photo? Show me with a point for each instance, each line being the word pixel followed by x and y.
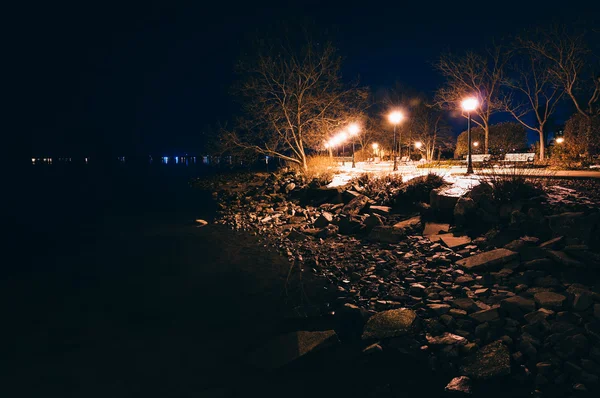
pixel 515 184
pixel 381 189
pixel 320 168
pixel 389 190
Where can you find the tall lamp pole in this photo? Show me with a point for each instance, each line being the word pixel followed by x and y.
pixel 468 105
pixel 353 129
pixel 395 117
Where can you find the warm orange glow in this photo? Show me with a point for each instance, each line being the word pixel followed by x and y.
pixel 476 143
pixel 560 140
pixel 353 129
pixel 395 117
pixel 418 144
pixel 470 104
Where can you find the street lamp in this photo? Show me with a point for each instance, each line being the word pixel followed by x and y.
pixel 395 118
pixel 468 105
pixel 560 140
pixel 418 144
pixel 375 146
pixel 353 130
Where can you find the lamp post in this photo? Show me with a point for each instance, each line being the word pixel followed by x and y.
pixel 353 130
pixel 560 140
pixel 375 146
pixel 395 117
pixel 468 105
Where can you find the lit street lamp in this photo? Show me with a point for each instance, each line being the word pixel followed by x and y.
pixel 375 152
pixel 353 129
pixel 560 140
pixel 395 117
pixel 468 105
pixel 418 144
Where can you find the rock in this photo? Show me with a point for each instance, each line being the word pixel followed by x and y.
pixel 576 345
pixel 381 210
pixel 201 223
pixel 409 224
pixel 356 205
pixel 539 315
pixel 372 349
pixel 455 242
pixel 445 339
pixel 296 236
pixel 490 361
pixel 517 306
pixel 487 260
pixel 324 220
pixel 372 221
pixel 460 385
pixel 349 225
pixel 435 228
pixel 554 243
pixel 550 300
pixel 546 281
pixel 439 309
pixel 386 234
pixel 328 231
pixel 291 346
pixel 390 323
pixel 290 187
pixel 465 304
pixel 580 298
pixel 564 259
pixel 485 315
pixel 324 194
pixel 539 264
pixel 577 227
pixel 442 203
pixel 463 210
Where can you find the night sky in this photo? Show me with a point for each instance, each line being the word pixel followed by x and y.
pixel 148 77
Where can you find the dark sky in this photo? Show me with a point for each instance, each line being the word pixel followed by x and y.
pixel 139 77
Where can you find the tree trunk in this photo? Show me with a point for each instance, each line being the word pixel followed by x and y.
pixel 542 146
pixel 486 139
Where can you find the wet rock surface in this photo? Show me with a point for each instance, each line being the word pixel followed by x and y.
pixel 518 305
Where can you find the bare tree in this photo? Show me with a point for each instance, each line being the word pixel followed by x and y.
pixel 534 89
pixel 575 68
pixel 478 75
pixel 293 100
pixel 428 126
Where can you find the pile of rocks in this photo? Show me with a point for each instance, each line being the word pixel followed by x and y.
pixel 527 311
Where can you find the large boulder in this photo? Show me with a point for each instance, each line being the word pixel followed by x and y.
pixel 391 323
pixel 386 234
pixel 324 220
pixel 488 260
pixel 550 300
pixel 442 203
pixel 489 362
pixel 577 227
pixel 356 205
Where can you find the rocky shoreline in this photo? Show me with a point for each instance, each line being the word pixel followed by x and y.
pixel 518 302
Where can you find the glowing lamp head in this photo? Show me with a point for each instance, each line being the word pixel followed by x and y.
pixel 375 145
pixel 395 117
pixel 470 104
pixel 560 140
pixel 418 144
pixel 327 145
pixel 353 129
pixel 342 136
pixel 476 143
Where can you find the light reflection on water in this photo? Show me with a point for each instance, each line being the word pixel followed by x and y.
pixel 180 160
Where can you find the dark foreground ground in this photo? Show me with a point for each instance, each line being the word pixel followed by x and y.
pixel 110 291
